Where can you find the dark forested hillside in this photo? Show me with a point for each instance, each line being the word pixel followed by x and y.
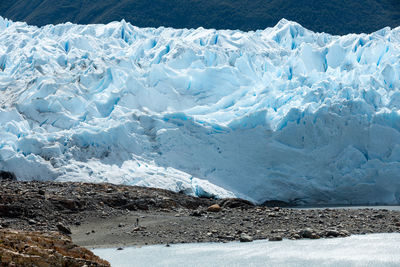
pixel 332 16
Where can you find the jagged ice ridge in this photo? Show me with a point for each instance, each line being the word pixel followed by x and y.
pixel 279 114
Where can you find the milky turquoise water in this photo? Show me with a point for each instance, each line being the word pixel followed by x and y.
pixel 359 250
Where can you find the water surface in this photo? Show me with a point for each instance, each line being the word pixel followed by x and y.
pixel 358 250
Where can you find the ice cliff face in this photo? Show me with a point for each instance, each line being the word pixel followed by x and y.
pixel 279 114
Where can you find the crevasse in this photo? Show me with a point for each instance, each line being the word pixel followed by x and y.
pixel 279 114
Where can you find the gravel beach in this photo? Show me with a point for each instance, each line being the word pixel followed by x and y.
pixel 106 215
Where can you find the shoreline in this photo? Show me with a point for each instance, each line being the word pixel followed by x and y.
pixel 357 250
pixel 162 228
pixel 107 215
pixel 107 247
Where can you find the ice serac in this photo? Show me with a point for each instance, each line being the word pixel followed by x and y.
pixel 279 114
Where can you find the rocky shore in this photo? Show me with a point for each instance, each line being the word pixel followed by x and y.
pixel 106 215
pixel 27 248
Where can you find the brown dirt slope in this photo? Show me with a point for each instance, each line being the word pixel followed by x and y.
pixel 23 248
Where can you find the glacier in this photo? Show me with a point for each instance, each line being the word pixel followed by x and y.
pixel 277 114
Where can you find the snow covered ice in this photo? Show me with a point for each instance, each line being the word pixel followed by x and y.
pixel 279 114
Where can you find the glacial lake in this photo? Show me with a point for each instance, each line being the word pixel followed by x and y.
pixel 357 250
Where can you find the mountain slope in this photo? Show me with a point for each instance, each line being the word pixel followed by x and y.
pixel 335 17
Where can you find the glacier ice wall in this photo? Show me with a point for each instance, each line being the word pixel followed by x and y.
pixel 280 114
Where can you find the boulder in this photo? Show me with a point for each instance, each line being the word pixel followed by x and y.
pixel 306 233
pixel 214 208
pixel 275 238
pixel 332 232
pixel 245 238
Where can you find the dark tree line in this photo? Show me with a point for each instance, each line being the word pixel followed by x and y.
pixel 332 16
